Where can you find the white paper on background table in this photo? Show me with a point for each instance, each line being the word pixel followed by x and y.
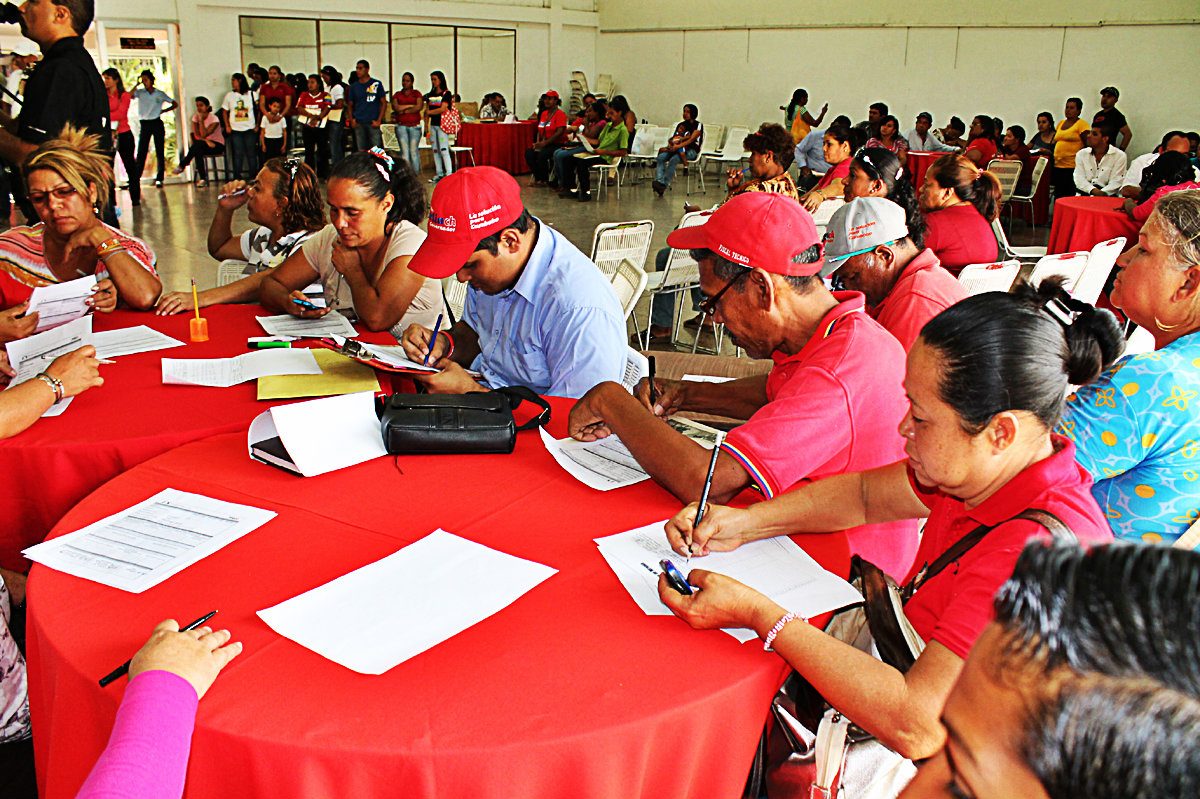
pixel 380 615
pixel 143 545
pixel 225 372
pixel 325 434
pixel 31 355
pixel 603 465
pixel 707 379
pixel 776 567
pixel 59 303
pixel 331 324
pixel 130 341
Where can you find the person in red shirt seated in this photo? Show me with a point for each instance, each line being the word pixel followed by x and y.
pixel 1013 148
pixel 830 404
pixel 985 384
pixel 960 201
pixel 869 248
pixel 981 141
pixel 551 133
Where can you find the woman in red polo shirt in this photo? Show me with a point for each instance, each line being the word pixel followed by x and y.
pixel 960 201
pixel 986 382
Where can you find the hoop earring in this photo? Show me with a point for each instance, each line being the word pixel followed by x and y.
pixel 1166 328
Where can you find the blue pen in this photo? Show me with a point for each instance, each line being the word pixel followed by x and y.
pixel 304 304
pixel 437 326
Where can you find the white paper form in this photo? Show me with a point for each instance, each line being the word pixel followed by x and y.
pixel 777 567
pixel 130 341
pixel 59 303
pixel 225 372
pixel 394 355
pixel 707 379
pixel 143 545
pixel 379 616
pixel 331 324
pixel 603 465
pixel 33 354
pixel 325 434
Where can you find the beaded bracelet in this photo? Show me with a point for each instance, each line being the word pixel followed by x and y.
pixel 779 625
pixel 55 385
pixel 110 246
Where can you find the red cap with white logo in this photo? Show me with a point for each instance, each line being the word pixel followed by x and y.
pixel 467 206
pixel 758 230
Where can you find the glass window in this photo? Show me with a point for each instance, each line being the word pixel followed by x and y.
pixel 291 44
pixel 420 49
pixel 343 44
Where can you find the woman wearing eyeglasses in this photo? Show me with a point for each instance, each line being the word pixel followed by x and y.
pixel 68 179
pixel 285 202
pixel 361 258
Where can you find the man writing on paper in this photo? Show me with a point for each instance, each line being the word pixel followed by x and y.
pixel 831 404
pixel 538 313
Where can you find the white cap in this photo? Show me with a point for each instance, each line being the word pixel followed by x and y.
pixel 860 226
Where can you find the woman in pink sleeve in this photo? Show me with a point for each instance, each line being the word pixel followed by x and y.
pixel 1170 172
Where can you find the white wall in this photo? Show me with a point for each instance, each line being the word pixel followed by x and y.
pixel 742 76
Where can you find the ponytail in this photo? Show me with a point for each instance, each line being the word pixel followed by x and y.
pixel 381 175
pixel 970 183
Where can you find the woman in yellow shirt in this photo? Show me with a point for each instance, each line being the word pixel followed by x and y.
pixel 1068 140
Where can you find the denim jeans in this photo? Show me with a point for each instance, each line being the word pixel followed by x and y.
pixel 243 149
pixel 662 308
pixel 367 136
pixel 562 162
pixel 664 169
pixel 410 142
pixel 337 144
pixel 440 141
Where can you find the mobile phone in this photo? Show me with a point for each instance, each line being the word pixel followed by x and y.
pixel 675 578
pixel 305 304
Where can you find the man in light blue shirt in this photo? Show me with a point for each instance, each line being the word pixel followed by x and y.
pixel 921 138
pixel 150 110
pixel 538 312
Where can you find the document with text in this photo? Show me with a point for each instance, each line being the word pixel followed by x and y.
pixel 225 372
pixel 59 303
pixel 603 465
pixel 131 340
pixel 331 324
pixel 31 355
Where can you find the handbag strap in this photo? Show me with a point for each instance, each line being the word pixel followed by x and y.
pixel 1057 527
pixel 518 394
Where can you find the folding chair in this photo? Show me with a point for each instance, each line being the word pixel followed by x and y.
pixel 1009 251
pixel 614 242
pixel 637 366
pixel 1035 178
pixel 731 150
pixel 613 169
pixel 1008 173
pixel 1070 265
pixel 980 278
pixel 629 281
pixel 455 294
pixel 1100 264
pixel 230 270
pixel 680 274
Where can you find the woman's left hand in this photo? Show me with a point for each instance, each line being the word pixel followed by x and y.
pixel 812 201
pixel 720 601
pixel 104 298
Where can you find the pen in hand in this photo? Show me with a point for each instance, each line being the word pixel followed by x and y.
pixel 712 467
pixel 437 326
pixel 653 389
pixel 123 669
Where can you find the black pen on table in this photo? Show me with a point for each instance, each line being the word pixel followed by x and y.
pixel 123 669
pixel 653 390
pixel 437 326
pixel 712 468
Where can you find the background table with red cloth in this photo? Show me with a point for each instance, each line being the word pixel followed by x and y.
pixel 1081 223
pixel 131 418
pixel 570 691
pixel 918 164
pixel 499 144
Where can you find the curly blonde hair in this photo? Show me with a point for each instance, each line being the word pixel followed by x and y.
pixel 76 156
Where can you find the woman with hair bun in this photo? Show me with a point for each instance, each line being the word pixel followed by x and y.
pixel 68 179
pixel 1137 428
pixel 986 381
pixel 361 258
pixel 960 201
pixel 876 172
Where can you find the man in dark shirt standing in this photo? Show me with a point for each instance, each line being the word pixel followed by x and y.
pixel 1109 117
pixel 65 86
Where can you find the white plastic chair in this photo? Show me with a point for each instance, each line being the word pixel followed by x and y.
pixel 455 294
pixel 1070 265
pixel 1100 264
pixel 637 366
pixel 629 281
pixel 1009 251
pixel 603 171
pixel 1008 173
pixel 1035 178
pixel 980 278
pixel 680 274
pixel 456 152
pixel 731 150
pixel 230 270
pixel 614 242
pixel 646 141
pixel 604 86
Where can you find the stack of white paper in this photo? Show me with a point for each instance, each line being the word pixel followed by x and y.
pixel 225 372
pixel 331 324
pixel 31 355
pixel 59 303
pixel 140 547
pixel 325 434
pixel 131 340
pixel 379 616
pixel 394 355
pixel 776 567
pixel 603 465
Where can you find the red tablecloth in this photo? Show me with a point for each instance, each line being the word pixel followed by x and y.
pixel 570 691
pixel 1081 223
pixel 131 418
pixel 918 164
pixel 499 144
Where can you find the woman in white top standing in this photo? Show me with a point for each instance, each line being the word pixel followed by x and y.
pixel 333 121
pixel 237 112
pixel 361 259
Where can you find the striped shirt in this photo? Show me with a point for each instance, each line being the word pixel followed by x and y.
pixel 23 264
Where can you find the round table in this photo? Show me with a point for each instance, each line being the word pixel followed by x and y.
pixel 499 144
pixel 131 418
pixel 571 690
pixel 1081 223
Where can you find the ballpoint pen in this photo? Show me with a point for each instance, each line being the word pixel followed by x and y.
pixel 712 467
pixel 123 669
pixel 437 327
pixel 653 390
pixel 237 193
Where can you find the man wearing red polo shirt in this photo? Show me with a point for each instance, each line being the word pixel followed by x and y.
pixel 551 133
pixel 831 404
pixel 868 249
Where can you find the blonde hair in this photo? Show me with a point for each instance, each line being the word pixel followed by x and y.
pixel 77 158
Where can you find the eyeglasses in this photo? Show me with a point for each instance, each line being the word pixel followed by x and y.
pixel 708 305
pixel 59 192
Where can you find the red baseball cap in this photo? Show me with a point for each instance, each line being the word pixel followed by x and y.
pixel 758 230
pixel 553 94
pixel 467 206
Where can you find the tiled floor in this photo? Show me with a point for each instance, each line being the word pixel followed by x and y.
pixel 175 220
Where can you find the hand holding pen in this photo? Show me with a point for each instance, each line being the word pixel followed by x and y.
pixel 702 508
pixel 180 651
pixel 233 194
pixel 437 328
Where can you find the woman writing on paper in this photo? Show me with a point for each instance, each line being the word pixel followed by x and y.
pixel 68 180
pixel 985 382
pixel 285 202
pixel 361 258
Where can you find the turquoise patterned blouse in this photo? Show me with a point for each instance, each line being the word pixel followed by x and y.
pixel 1137 431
